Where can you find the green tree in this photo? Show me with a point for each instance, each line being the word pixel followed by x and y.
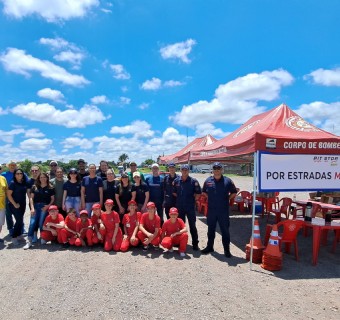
pixel 149 162
pixel 123 157
pixel 26 165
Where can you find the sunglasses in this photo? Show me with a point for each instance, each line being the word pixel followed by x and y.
pixel 217 168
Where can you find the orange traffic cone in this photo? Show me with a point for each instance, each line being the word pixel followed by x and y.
pixel 272 256
pixel 257 244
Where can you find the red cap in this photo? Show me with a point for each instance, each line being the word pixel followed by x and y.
pixel 173 211
pixel 132 202
pixel 109 201
pixel 53 207
pixel 83 212
pixel 151 205
pixel 96 206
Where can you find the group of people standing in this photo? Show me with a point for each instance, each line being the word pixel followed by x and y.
pixel 85 191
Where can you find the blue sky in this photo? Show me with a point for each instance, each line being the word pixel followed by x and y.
pixel 94 79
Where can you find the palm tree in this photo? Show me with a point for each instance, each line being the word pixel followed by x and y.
pixel 122 158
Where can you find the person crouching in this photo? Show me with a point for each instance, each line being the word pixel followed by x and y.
pixel 174 232
pixel 52 226
pixel 97 224
pixel 131 225
pixel 150 227
pixel 114 236
pixel 84 230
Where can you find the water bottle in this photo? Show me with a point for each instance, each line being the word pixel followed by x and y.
pixel 308 214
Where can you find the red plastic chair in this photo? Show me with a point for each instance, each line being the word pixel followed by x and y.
pixel 289 234
pixel 243 199
pixel 281 207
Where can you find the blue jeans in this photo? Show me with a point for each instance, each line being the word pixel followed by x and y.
pixel 88 207
pixel 37 220
pixel 73 202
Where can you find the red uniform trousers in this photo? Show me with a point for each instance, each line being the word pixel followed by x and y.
pixel 88 236
pixel 67 236
pixel 126 243
pixel 155 241
pixel 95 237
pixel 108 246
pixel 181 240
pixel 48 236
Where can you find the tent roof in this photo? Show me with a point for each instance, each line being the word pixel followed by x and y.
pixel 279 130
pixel 182 156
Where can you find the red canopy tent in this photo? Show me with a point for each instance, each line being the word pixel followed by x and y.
pixel 182 156
pixel 279 130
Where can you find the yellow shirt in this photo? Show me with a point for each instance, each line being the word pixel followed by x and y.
pixel 3 189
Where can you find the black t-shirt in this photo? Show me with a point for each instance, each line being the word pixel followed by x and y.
pixel 43 195
pixel 73 189
pixel 125 196
pixel 140 192
pixel 19 192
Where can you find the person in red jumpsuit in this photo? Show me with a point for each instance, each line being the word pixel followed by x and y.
pixel 174 232
pixel 97 224
pixel 84 230
pixel 52 226
pixel 130 225
pixel 150 227
pixel 110 219
pixel 69 234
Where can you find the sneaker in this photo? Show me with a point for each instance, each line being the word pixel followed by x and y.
pixel 35 238
pixel 145 248
pixel 42 241
pixel 156 247
pixel 171 250
pixel 227 254
pixel 195 247
pixel 28 245
pixel 182 254
pixel 24 231
pixel 207 250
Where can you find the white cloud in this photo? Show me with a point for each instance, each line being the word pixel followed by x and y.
pixel 36 144
pixel 74 142
pixel 106 10
pixel 8 136
pixel 237 100
pixel 55 43
pixel 208 128
pixel 321 114
pixel 18 61
pixel 119 72
pixel 3 111
pixel 173 83
pixel 71 118
pixel 124 100
pixel 75 58
pixel 33 133
pixel 144 106
pixel 153 84
pixel 325 77
pixel 179 50
pixel 51 10
pixel 140 129
pixel 48 93
pixel 156 84
pixel 99 100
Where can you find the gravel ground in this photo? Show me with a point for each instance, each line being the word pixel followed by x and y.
pixel 47 282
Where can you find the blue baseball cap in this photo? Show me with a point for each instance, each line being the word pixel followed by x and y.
pixel 217 165
pixel 171 164
pixel 184 167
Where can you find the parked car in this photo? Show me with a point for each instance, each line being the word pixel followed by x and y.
pixel 205 170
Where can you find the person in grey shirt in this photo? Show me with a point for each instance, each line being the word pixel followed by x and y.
pixel 58 184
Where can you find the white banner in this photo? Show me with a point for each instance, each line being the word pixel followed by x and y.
pixel 298 172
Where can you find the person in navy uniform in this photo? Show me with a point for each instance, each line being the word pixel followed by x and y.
pixel 185 189
pixel 156 187
pixel 169 199
pixel 219 190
